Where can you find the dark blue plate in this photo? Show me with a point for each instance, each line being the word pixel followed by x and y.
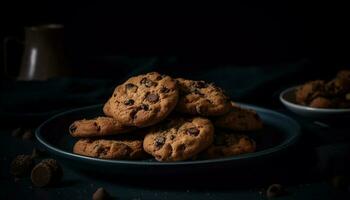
pixel 279 133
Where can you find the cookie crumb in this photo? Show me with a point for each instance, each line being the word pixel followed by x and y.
pixel 47 172
pixel 100 194
pixel 28 135
pixel 275 190
pixel 21 165
pixel 17 132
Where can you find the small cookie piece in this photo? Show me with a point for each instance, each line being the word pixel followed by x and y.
pixel 100 126
pixel 143 100
pixel 239 119
pixel 201 98
pixel 321 102
pixel 21 165
pixel 179 138
pixel 309 91
pixel 228 144
pixel 47 172
pixel 119 149
pixel 338 87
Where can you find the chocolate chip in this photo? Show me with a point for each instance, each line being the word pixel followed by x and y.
pixel 100 194
pixel 129 102
pixel 144 107
pixel 159 78
pixel 192 131
pixel 133 114
pixel 159 142
pixel 72 128
pixel 172 137
pixel 147 82
pixel 200 84
pixel 275 190
pixel 153 98
pixel 131 87
pixel 17 132
pixel 21 165
pixel 164 90
pixel 47 172
pixel 28 135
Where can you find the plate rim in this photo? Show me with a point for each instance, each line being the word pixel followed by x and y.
pixel 289 104
pixel 266 152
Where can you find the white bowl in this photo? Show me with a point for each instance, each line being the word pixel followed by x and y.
pixel 287 97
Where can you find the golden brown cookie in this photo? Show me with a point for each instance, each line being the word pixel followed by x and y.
pixel 179 138
pixel 239 119
pixel 228 143
pixel 144 100
pixel 201 98
pixel 100 126
pixel 119 149
pixel 321 102
pixel 309 91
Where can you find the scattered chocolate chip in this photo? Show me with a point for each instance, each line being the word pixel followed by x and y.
pixel 100 194
pixel 21 165
pixel 153 98
pixel 164 90
pixel 160 141
pixel 275 190
pixel 28 135
pixel 200 84
pixel 47 172
pixel 133 113
pixel 192 131
pixel 144 107
pixel 129 102
pixel 147 82
pixel 159 78
pixel 72 128
pixel 172 137
pixel 17 132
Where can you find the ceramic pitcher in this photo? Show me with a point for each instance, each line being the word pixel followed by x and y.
pixel 43 55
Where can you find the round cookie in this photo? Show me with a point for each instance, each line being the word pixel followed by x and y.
pixel 100 126
pixel 239 119
pixel 310 90
pixel 179 138
pixel 119 149
pixel 144 100
pixel 228 144
pixel 201 98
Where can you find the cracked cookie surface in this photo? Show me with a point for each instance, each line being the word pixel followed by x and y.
pixel 143 100
pixel 100 126
pixel 179 138
pixel 201 98
pixel 119 149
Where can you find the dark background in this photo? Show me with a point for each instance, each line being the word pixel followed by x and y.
pixel 196 35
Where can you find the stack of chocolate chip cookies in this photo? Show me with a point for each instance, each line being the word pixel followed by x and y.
pixel 169 119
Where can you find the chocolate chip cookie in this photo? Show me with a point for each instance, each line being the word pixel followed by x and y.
pixel 228 143
pixel 239 119
pixel 99 126
pixel 144 100
pixel 179 138
pixel 119 149
pixel 309 91
pixel 201 98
